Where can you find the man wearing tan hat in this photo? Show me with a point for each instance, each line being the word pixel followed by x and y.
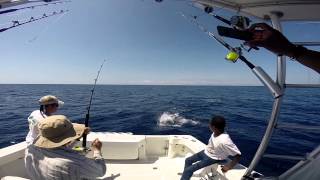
pixel 51 158
pixel 48 105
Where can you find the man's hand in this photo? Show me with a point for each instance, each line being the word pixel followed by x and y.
pixel 96 145
pixel 271 39
pixel 230 165
pixel 86 130
pixel 225 168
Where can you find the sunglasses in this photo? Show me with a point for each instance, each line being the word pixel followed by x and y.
pixel 55 105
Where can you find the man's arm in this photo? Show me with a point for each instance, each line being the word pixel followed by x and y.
pixel 271 39
pixel 96 167
pixel 230 165
pixel 91 168
pixel 306 57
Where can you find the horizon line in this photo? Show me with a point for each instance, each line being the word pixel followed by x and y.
pixel 111 84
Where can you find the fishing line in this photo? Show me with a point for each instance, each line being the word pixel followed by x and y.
pixel 216 10
pixel 45 29
pixel 193 20
pixel 5 24
pixel 191 5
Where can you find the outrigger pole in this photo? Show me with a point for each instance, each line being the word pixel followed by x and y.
pixel 12 3
pixel 32 7
pixel 86 122
pixel 32 19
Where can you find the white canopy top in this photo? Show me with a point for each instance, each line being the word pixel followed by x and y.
pixel 304 10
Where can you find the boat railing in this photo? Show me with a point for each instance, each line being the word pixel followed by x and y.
pixel 272 123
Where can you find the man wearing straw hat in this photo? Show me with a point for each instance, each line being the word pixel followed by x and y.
pixel 48 105
pixel 50 157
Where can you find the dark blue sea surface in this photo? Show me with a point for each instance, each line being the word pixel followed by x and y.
pixel 175 110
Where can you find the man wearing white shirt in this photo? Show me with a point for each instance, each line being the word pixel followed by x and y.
pixel 219 147
pixel 48 106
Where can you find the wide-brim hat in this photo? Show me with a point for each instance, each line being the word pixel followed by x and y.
pixel 56 131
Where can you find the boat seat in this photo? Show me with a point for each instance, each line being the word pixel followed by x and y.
pixel 180 145
pixel 117 146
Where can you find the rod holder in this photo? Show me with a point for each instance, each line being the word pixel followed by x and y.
pixel 267 81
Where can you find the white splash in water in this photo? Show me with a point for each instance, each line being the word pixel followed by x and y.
pixel 174 119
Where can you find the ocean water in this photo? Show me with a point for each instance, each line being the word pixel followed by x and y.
pixel 175 110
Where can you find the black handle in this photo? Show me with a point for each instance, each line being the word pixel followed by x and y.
pixel 8 11
pixel 84 137
pixel 234 33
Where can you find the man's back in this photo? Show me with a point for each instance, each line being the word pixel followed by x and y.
pixel 61 163
pixel 221 147
pixel 33 120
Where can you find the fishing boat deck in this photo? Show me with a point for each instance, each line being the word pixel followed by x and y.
pixel 152 168
pixel 162 168
pixel 133 157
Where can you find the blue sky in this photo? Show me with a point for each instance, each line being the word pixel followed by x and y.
pixel 145 43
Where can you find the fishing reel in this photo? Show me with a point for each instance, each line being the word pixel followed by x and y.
pixel 240 22
pixel 233 55
pixel 237 22
pixel 237 34
pixel 208 9
pixel 237 30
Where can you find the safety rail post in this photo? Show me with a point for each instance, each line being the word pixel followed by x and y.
pixel 281 77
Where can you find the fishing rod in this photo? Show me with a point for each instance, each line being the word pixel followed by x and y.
pixel 209 10
pixel 86 122
pixel 32 19
pixel 236 53
pixel 239 25
pixel 12 3
pixel 32 7
pixel 210 34
pixel 238 22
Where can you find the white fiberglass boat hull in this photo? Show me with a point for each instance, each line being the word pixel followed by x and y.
pixel 156 157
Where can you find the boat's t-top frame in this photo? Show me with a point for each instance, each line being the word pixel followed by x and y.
pixel 277 87
pixel 274 11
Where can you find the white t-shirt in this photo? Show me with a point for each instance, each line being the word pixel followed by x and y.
pixel 221 147
pixel 34 118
